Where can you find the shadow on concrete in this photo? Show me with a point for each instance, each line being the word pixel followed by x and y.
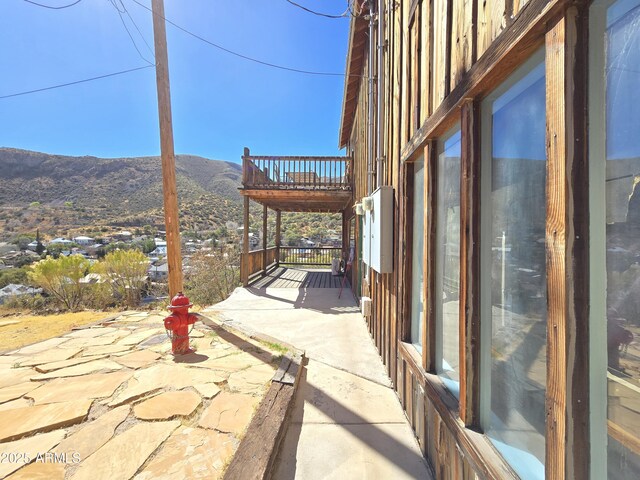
pixel 411 461
pixel 322 300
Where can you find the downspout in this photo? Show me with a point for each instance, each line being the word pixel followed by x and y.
pixel 370 97
pixel 381 173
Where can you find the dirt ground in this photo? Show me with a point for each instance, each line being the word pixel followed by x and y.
pixel 35 328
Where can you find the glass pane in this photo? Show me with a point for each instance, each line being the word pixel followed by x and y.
pixel 417 291
pixel 518 293
pixel 622 79
pixel 448 262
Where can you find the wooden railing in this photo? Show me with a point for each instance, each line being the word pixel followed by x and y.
pixel 308 256
pixel 309 173
pixel 255 262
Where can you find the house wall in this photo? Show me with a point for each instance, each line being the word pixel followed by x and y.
pixel 442 58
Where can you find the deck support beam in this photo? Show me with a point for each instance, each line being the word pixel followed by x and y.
pixel 244 266
pixel 278 239
pixel 265 214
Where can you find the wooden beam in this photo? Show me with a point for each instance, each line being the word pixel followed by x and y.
pixel 244 267
pixel 429 260
pixel 469 300
pixel 265 215
pixel 567 245
pixel 278 235
pixel 169 189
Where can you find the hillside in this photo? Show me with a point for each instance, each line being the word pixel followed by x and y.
pixel 63 195
pixel 66 196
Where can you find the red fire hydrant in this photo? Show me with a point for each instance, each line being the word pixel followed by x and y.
pixel 177 324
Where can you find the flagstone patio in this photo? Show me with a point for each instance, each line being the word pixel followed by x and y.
pixel 110 401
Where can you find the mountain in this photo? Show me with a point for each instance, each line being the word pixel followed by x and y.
pixel 68 195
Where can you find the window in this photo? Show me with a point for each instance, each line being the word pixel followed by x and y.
pixel 615 237
pixel 513 268
pixel 448 261
pixel 417 290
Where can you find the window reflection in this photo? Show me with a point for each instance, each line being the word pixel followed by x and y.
pixel 622 147
pixel 517 268
pixel 448 261
pixel 417 291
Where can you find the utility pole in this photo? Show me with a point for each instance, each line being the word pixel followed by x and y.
pixel 174 257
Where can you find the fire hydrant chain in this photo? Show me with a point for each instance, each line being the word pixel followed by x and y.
pixel 180 324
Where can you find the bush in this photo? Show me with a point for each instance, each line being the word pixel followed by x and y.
pixel 34 303
pixel 60 278
pixel 212 277
pixel 126 272
pixel 13 275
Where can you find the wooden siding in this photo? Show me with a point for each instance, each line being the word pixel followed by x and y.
pixel 441 58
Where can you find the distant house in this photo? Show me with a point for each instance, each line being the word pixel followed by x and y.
pixel 33 246
pixel 14 290
pixel 124 236
pixel 60 241
pixel 159 252
pixel 158 272
pixel 82 240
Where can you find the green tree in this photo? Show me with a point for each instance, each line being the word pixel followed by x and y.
pixel 13 275
pixel 60 278
pixel 126 272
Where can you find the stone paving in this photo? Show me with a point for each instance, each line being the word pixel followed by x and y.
pixel 109 401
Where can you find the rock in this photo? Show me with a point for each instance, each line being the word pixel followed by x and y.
pixel 97 385
pixel 251 380
pixel 53 355
pixel 139 336
pixel 42 346
pixel 163 376
pixel 191 453
pixel 124 454
pixel 50 367
pixel 91 341
pixel 17 422
pixel 83 369
pixel 14 376
pixel 138 359
pixel 207 390
pixel 19 403
pixel 16 391
pixel 17 454
pixel 105 350
pixel 40 471
pixel 91 332
pixel 229 412
pixel 168 405
pixel 94 435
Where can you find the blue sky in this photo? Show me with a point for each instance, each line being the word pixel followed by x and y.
pixel 220 103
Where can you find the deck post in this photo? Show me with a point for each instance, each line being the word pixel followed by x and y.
pixel 244 265
pixel 265 213
pixel 278 240
pixel 345 236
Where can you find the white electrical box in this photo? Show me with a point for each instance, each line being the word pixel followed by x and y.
pixel 377 248
pixel 365 306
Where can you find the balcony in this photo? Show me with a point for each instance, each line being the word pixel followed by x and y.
pixel 298 184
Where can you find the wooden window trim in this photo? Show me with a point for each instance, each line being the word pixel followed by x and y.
pixel 469 304
pixel 567 244
pixel 429 256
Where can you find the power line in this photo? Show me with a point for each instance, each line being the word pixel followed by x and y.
pixel 53 8
pixel 231 52
pixel 139 32
pixel 76 82
pixel 342 15
pixel 124 24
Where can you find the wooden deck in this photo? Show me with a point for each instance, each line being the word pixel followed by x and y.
pixel 283 277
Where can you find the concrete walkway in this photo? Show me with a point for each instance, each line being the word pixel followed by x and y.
pixel 347 422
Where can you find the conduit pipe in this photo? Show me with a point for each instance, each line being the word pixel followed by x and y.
pixel 381 173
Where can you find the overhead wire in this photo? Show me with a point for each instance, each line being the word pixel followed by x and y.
pixel 124 24
pixel 240 55
pixel 53 8
pixel 52 87
pixel 139 32
pixel 342 15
